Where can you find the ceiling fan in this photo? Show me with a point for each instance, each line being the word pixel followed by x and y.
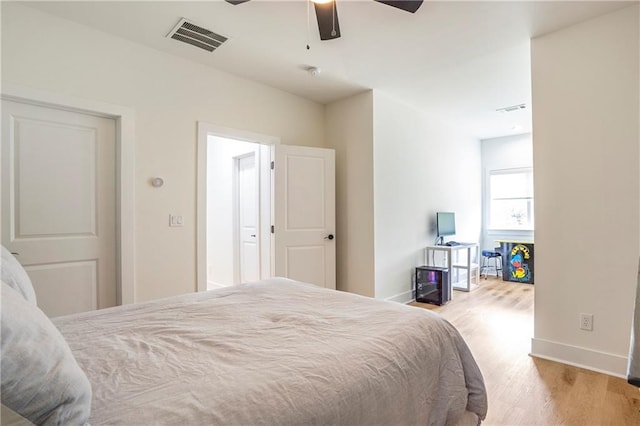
pixel 327 13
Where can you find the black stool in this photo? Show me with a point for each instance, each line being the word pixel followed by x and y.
pixel 487 255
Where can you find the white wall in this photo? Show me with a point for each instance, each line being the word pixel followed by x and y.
pixel 420 167
pixel 395 168
pixel 509 152
pixel 585 148
pixel 169 95
pixel 220 221
pixel 349 129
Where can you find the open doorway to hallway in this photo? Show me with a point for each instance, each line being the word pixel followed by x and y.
pixel 294 232
pixel 238 211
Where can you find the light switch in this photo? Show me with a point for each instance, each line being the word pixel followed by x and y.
pixel 175 220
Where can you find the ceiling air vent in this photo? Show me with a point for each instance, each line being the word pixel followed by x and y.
pixel 188 32
pixel 512 108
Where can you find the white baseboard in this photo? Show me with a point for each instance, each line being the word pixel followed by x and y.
pixel 404 297
pixel 601 362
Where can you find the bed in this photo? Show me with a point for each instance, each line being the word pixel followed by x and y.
pixel 273 352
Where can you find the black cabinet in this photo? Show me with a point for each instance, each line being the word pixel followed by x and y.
pixel 432 285
pixel 517 261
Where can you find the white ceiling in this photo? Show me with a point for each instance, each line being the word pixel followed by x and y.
pixel 457 60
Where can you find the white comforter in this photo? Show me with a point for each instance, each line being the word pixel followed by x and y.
pixel 275 352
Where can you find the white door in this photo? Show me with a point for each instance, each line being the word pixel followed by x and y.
pixel 58 204
pixel 304 203
pixel 247 201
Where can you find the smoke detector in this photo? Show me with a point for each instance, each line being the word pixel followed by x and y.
pixel 314 71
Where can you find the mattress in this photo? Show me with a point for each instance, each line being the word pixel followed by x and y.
pixel 274 352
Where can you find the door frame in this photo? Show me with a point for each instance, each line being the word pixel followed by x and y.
pixel 204 131
pixel 125 172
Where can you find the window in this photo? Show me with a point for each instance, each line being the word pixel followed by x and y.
pixel 511 199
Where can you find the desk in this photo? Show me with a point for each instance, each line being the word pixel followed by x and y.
pixel 453 262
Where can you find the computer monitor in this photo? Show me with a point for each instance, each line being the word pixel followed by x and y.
pixel 445 224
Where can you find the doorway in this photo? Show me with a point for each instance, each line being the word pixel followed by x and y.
pixel 238 211
pixel 296 203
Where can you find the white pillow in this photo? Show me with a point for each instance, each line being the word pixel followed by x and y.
pixel 13 274
pixel 41 379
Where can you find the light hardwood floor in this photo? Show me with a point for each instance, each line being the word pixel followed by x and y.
pixel 496 320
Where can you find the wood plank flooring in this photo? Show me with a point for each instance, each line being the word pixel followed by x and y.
pixel 496 320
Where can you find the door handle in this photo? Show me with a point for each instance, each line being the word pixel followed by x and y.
pixel 329 237
pixel 253 235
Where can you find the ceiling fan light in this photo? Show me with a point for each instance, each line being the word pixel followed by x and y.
pixel 327 17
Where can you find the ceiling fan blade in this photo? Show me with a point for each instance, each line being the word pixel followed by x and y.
pixel 236 2
pixel 406 5
pixel 327 16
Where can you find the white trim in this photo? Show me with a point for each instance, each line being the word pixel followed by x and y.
pixel 510 231
pixel 601 362
pixel 404 297
pixel 204 130
pixel 125 152
pixel 201 208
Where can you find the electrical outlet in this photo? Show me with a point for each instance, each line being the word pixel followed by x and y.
pixel 586 322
